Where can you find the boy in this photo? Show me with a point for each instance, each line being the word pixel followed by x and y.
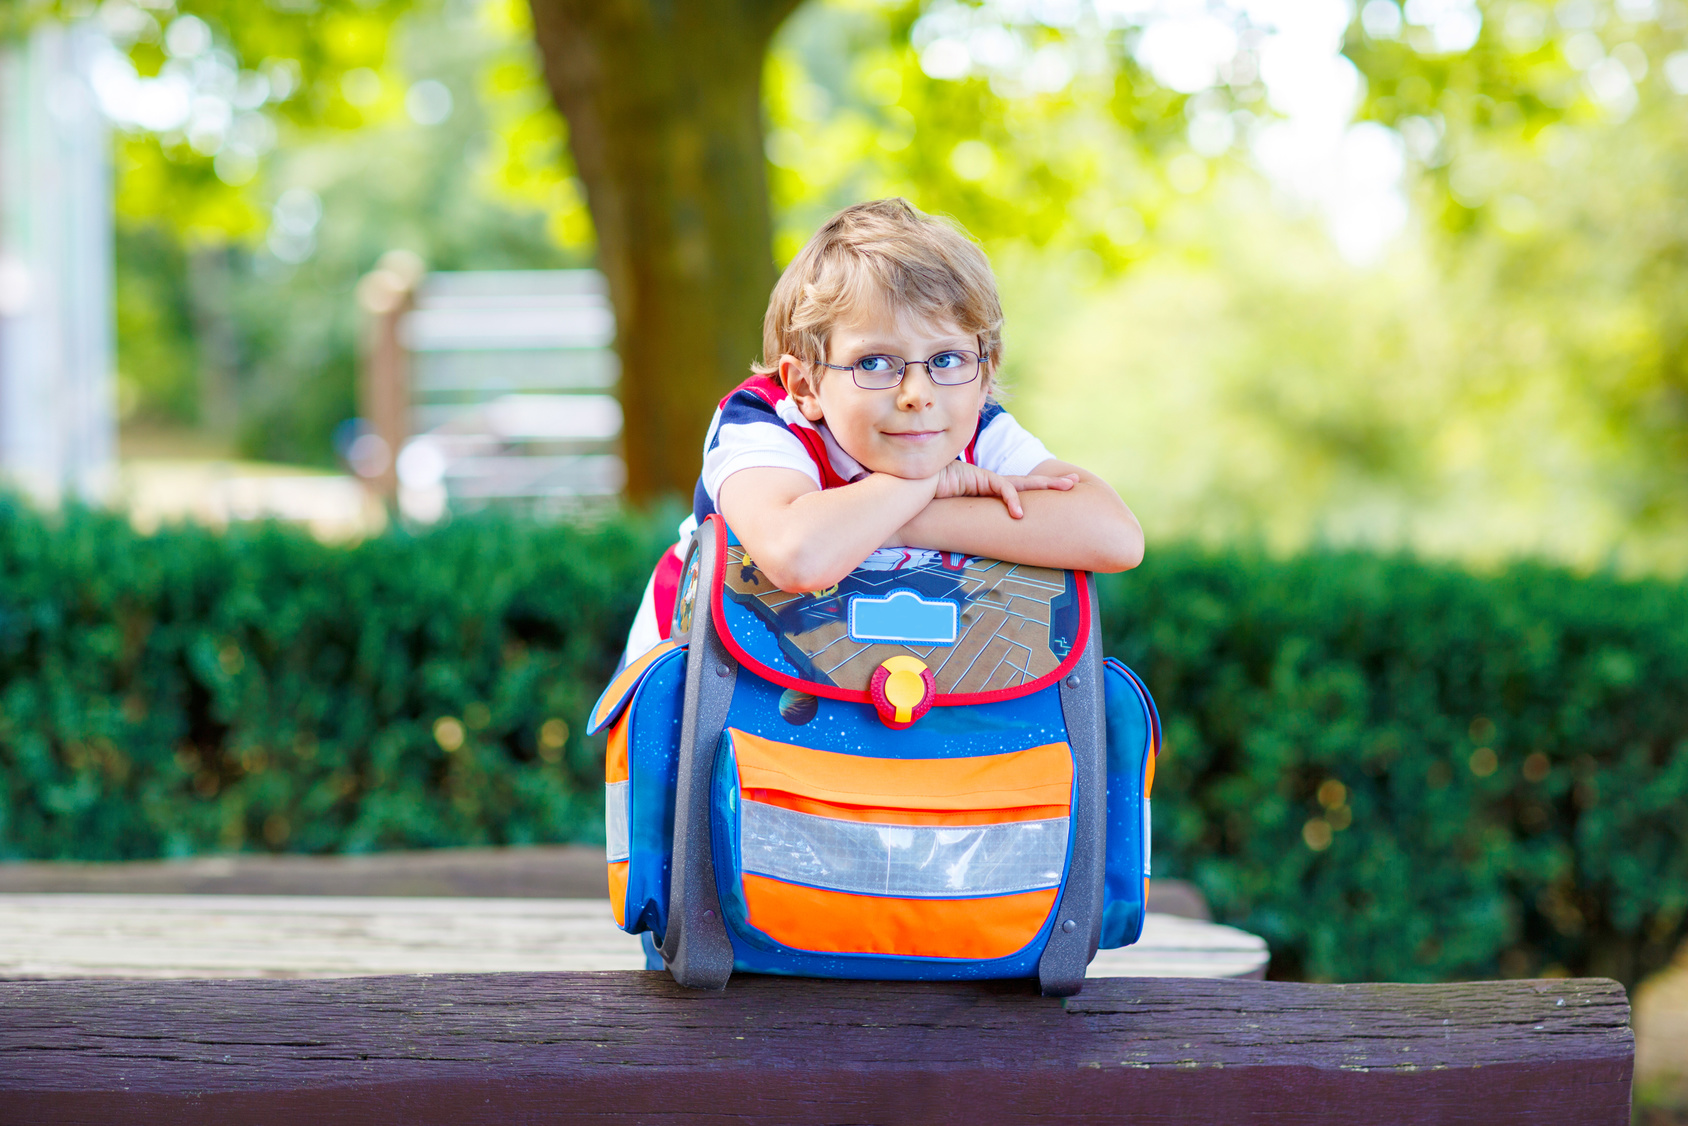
pixel 869 423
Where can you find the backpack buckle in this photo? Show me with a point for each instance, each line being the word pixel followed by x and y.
pixel 902 690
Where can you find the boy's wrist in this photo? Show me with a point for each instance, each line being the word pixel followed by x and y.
pixel 928 485
pixel 909 534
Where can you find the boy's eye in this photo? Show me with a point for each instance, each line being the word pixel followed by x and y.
pixel 876 364
pixel 949 360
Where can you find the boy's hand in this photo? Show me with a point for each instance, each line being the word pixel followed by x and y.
pixel 959 479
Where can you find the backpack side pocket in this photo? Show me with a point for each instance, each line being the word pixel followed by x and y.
pixel 640 773
pixel 1133 743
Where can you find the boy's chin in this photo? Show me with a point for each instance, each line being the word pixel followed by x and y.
pixel 909 469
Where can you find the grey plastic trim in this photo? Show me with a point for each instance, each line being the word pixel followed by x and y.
pixel 1060 971
pixel 696 948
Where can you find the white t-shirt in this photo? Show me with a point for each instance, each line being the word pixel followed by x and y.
pixel 758 426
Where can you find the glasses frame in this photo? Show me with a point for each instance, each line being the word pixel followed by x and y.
pixel 980 359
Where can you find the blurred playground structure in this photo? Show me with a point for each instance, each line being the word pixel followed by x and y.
pixel 58 421
pixel 476 386
pixel 58 395
pixel 492 386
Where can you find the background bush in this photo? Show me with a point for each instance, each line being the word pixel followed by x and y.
pixel 191 692
pixel 1390 769
pixel 1400 771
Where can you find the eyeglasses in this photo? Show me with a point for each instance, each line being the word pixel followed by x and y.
pixel 950 368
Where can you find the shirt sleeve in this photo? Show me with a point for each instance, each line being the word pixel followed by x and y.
pixel 1006 447
pixel 748 434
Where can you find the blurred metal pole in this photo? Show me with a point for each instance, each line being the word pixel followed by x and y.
pixel 58 432
pixel 386 294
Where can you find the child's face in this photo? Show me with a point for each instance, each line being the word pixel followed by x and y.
pixel 912 430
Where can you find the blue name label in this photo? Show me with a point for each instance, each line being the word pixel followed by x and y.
pixel 903 617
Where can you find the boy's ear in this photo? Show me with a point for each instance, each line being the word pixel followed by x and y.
pixel 800 380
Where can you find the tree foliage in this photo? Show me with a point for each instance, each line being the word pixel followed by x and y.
pixel 1058 145
pixel 1554 155
pixel 1521 351
pixel 330 201
pixel 243 74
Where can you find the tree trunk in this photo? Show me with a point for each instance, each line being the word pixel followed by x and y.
pixel 664 105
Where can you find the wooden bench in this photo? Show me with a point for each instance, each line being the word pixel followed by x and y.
pixel 617 1047
pixel 436 911
pixel 528 872
pixel 292 936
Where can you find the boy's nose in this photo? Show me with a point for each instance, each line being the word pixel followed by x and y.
pixel 915 391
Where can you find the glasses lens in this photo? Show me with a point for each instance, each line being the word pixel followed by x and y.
pixel 954 367
pixel 876 373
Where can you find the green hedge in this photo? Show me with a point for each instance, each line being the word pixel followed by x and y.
pixel 1401 771
pixel 191 692
pixel 1391 769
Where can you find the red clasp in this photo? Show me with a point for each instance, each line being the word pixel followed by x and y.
pixel 903 690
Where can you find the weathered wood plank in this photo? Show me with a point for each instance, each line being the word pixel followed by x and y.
pixel 538 871
pixel 530 871
pixel 632 1047
pixel 171 936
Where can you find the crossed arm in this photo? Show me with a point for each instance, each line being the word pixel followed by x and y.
pixel 804 538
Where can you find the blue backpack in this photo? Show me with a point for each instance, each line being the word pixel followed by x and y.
pixel 925 772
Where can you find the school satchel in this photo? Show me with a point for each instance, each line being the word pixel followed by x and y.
pixel 925 772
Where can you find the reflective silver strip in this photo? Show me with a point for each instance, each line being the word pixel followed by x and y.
pixel 618 839
pixel 901 860
pixel 1146 838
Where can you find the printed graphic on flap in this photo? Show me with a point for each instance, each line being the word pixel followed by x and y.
pixel 981 625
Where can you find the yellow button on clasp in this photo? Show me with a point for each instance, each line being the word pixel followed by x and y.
pixel 902 690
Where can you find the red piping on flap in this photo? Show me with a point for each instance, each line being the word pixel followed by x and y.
pixel 833 692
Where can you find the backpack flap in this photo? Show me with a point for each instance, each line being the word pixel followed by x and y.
pixel 1134 740
pixel 640 763
pixel 906 631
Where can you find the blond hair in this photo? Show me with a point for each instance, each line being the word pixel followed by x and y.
pixel 887 253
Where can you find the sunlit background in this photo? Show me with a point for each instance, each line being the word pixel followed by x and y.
pixel 1409 276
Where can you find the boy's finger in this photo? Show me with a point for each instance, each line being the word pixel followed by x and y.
pixel 1040 482
pixel 1011 497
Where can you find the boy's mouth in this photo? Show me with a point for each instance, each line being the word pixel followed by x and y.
pixel 913 435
